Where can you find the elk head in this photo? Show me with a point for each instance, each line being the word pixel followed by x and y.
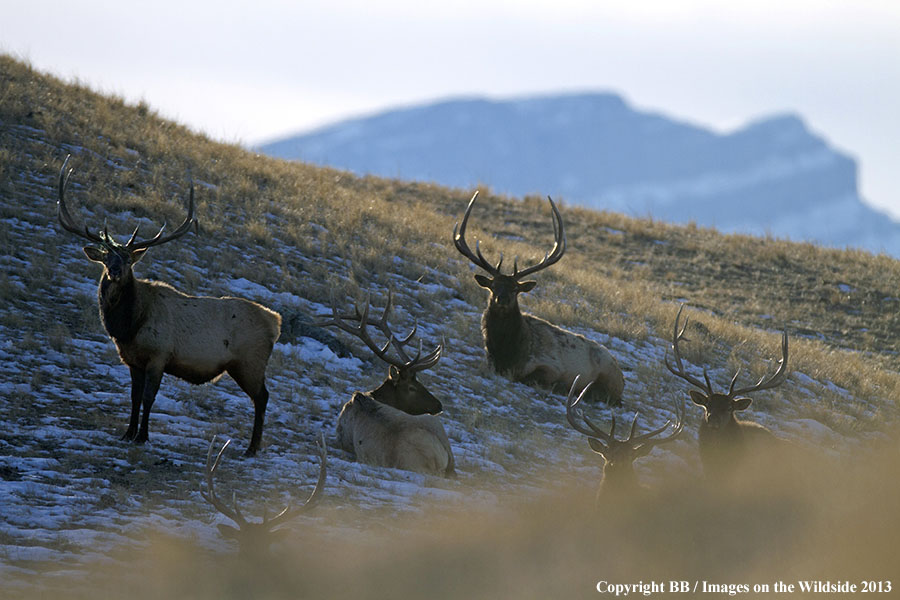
pixel 719 408
pixel 505 289
pixel 117 259
pixel 619 454
pixel 400 390
pixel 254 538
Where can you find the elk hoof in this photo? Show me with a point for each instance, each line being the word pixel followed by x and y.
pixel 128 435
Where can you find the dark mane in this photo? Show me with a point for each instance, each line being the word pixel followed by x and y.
pixel 118 314
pixel 504 338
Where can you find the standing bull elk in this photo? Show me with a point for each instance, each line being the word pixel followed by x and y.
pixel 618 476
pixel 725 440
pixel 393 425
pixel 158 329
pixel 525 347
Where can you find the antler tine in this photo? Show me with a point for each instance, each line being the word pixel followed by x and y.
pixel 633 427
pixel 158 238
pixel 559 244
pixel 676 430
pixel 574 413
pixel 733 381
pixel 340 321
pixel 459 240
pixel 776 379
pixel 62 210
pixel 418 363
pixel 237 509
pixel 133 235
pixel 210 495
pixel 680 371
pixel 315 495
pixel 428 361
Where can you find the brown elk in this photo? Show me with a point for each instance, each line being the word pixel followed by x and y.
pixel 618 476
pixel 158 329
pixel 725 440
pixel 254 538
pixel 527 348
pixel 393 425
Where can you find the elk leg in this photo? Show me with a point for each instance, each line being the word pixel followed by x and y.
pixel 260 401
pixel 137 390
pixel 152 379
pixel 255 387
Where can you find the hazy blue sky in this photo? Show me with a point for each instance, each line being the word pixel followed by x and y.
pixel 247 72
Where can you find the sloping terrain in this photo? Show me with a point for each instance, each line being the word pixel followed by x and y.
pixel 294 236
pixel 771 176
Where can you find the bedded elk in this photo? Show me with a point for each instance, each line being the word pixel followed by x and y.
pixel 527 348
pixel 393 425
pixel 725 440
pixel 618 476
pixel 158 329
pixel 254 538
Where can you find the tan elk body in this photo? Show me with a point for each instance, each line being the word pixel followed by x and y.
pixel 383 436
pixel 158 329
pixel 527 348
pixel 724 440
pixel 396 424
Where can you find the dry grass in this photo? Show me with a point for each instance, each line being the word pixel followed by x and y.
pixel 803 521
pixel 621 275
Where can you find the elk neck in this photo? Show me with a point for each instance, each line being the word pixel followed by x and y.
pixel 619 477
pixel 119 307
pixel 504 336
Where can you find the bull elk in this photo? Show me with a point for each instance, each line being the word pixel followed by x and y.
pixel 254 538
pixel 618 476
pixel 158 329
pixel 395 425
pixel 527 348
pixel 724 439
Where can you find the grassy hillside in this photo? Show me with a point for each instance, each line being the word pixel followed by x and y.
pixel 293 236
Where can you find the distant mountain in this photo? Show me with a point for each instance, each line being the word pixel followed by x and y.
pixel 772 176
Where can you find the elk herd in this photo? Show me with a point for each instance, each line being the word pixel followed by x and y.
pixel 159 330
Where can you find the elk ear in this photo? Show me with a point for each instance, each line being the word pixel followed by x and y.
pixel 94 254
pixel 137 255
pixel 228 532
pixel 698 398
pixel 526 286
pixel 484 281
pixel 393 373
pixel 741 403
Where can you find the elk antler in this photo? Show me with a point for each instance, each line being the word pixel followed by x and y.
pixel 574 413
pixel 680 372
pixel 775 380
pixel 411 365
pixel 158 239
pixel 65 219
pixel 233 512
pixel 556 253
pixel 62 211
